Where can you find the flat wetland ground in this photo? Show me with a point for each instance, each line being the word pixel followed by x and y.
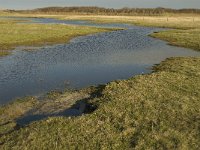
pixel 154 111
pixel 13 34
pixel 186 27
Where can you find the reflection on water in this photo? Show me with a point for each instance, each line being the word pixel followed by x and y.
pixel 88 60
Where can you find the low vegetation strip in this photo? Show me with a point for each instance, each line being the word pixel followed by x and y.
pixel 185 38
pixel 154 111
pixel 12 34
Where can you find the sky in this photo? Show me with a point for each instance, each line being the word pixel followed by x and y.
pixel 30 4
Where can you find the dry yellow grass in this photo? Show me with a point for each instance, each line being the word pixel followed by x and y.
pixel 180 21
pixel 159 21
pixel 173 21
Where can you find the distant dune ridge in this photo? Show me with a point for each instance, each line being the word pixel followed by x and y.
pixel 109 11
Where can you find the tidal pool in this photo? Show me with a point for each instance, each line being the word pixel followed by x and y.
pixel 85 61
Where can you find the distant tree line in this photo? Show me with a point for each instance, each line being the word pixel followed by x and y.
pixel 109 11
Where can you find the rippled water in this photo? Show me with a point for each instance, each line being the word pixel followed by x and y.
pixel 88 60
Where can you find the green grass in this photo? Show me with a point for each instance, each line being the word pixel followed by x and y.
pixel 154 111
pixel 12 34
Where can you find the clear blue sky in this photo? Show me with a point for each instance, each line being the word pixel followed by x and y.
pixel 27 4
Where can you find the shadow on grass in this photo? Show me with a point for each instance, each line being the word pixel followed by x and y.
pixel 82 106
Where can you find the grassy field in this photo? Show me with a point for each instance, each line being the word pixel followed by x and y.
pixel 13 34
pixel 154 111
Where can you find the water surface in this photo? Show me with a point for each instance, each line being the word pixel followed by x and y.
pixel 87 60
